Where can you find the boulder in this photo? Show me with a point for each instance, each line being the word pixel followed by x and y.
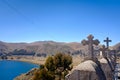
pixel 87 70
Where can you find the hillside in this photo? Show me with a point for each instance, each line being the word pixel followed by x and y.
pixel 43 48
pixel 39 47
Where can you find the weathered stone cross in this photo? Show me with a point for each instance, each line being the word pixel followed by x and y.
pixel 90 43
pixel 107 42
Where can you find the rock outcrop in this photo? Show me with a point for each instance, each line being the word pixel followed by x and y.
pixel 26 76
pixel 107 68
pixel 87 70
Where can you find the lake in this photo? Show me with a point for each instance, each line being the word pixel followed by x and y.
pixel 9 69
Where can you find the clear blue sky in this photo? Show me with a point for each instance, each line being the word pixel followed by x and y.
pixel 59 20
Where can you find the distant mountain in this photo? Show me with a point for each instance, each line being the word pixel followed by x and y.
pixel 116 47
pixel 39 47
pixel 43 48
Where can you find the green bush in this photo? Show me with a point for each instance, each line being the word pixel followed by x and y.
pixel 55 67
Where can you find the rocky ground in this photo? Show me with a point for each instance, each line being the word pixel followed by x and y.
pixel 26 76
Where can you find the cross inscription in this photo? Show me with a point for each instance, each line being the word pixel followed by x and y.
pixel 107 42
pixel 90 43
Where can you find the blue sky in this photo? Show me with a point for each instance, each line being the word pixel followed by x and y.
pixel 59 20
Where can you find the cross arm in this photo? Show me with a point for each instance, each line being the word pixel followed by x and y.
pixel 96 42
pixel 84 42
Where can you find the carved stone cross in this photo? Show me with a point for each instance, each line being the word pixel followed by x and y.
pixel 107 42
pixel 90 43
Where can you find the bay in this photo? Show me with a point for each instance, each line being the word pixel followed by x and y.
pixel 9 69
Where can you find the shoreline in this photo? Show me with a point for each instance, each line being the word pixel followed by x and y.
pixel 40 60
pixel 20 61
pixel 29 59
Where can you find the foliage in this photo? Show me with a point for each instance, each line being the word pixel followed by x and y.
pixel 43 74
pixel 63 64
pixel 55 66
pixel 42 66
pixel 49 64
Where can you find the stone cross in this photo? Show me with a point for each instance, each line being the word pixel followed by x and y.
pixel 107 42
pixel 90 43
pixel 103 49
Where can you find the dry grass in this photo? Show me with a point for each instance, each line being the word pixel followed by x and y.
pixel 41 60
pixel 31 59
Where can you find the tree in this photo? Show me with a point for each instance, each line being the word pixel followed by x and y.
pixel 49 64
pixel 55 67
pixel 63 64
pixel 43 74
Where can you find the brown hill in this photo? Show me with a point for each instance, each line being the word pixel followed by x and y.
pixel 40 47
pixel 44 47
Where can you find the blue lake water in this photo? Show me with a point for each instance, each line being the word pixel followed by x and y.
pixel 10 69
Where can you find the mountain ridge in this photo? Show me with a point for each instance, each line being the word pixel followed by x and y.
pixel 44 47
